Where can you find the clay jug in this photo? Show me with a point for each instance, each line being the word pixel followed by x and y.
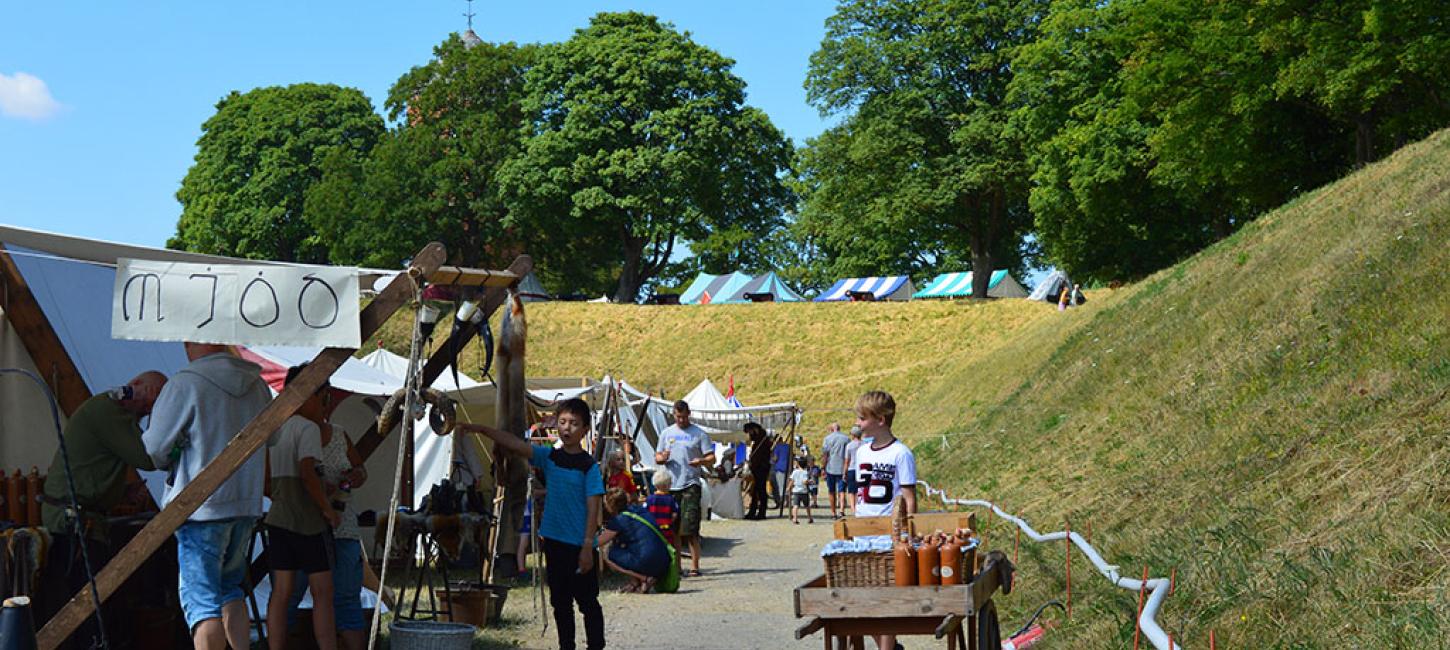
pixel 904 562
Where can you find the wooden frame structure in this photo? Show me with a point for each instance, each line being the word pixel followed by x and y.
pixel 847 615
pixel 39 338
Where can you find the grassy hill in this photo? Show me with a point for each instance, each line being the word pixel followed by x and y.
pixel 1269 417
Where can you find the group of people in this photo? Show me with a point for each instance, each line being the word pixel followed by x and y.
pixel 794 473
pixel 308 470
pixel 586 518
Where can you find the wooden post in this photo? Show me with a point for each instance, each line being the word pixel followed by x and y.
pixel 1068 539
pixel 1137 626
pixel 39 338
pixel 243 445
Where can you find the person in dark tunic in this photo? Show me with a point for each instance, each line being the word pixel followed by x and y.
pixel 104 441
pixel 636 547
pixel 759 464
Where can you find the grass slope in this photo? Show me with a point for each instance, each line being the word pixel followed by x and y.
pixel 1269 418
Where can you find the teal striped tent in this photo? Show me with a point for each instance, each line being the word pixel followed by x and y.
pixel 710 289
pixel 959 285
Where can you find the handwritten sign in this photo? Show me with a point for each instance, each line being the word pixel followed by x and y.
pixel 235 304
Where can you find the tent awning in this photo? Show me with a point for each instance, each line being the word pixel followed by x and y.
pixel 959 285
pixel 708 288
pixel 892 287
pixel 767 282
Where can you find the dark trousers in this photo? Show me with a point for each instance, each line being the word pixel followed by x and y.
pixel 64 575
pixel 566 587
pixel 759 483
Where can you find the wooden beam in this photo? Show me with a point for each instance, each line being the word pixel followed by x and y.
pixel 442 355
pixel 46 350
pixel 460 276
pixel 811 627
pixel 369 441
pixel 251 438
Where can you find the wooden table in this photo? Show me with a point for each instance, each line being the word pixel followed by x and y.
pixel 847 615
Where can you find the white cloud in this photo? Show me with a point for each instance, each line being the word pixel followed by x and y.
pixel 26 96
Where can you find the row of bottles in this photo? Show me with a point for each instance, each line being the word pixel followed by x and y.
pixel 20 497
pixel 936 560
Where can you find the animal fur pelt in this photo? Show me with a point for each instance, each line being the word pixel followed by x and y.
pixel 513 418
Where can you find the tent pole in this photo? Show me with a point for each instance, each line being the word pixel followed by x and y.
pixel 237 453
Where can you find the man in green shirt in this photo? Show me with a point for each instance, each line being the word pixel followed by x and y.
pixel 103 438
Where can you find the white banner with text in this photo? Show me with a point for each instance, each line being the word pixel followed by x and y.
pixel 235 304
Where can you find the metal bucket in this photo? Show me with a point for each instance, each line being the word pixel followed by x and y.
pixel 430 635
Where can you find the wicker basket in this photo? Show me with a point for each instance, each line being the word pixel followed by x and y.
pixel 877 569
pixel 860 570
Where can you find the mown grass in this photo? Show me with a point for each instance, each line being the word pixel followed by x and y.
pixel 1268 418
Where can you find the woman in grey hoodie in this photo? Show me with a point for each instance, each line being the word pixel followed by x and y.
pixel 198 413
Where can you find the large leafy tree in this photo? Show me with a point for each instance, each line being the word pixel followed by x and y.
pixel 1095 208
pixel 639 137
pixel 433 176
pixel 925 154
pixel 257 158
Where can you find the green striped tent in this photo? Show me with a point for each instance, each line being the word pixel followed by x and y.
pixel 959 285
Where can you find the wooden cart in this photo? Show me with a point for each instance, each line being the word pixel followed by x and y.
pixel 847 615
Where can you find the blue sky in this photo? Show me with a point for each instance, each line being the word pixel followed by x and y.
pixel 101 104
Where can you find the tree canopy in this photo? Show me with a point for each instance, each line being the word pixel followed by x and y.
pixel 924 165
pixel 637 137
pixel 432 177
pixel 257 158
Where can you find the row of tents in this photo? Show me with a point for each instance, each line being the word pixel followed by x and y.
pixel 737 287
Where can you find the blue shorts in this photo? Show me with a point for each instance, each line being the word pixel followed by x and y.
pixel 213 559
pixel 850 481
pixel 835 483
pixel 346 587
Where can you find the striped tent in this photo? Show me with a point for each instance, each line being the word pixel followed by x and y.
pixel 769 283
pixel 709 288
pixel 959 285
pixel 895 287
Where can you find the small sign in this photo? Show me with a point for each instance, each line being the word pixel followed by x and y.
pixel 235 304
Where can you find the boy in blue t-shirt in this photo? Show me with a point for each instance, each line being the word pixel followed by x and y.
pixel 570 523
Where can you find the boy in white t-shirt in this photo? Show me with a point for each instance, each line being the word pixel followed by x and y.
pixel 800 496
pixel 884 466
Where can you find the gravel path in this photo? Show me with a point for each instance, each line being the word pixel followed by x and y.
pixel 743 600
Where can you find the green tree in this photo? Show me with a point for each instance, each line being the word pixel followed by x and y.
pixel 256 159
pixel 1096 211
pixel 929 156
pixel 1375 65
pixel 433 176
pixel 639 137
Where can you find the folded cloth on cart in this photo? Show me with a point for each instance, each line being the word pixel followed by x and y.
pixel 869 544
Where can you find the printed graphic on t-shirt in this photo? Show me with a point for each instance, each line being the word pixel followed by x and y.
pixel 879 483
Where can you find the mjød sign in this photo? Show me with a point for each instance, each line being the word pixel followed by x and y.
pixel 235 304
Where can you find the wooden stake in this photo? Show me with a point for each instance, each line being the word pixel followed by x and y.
pixel 1069 569
pixel 1211 644
pixel 1016 545
pixel 1172 580
pixel 243 445
pixel 1138 627
pixel 1090 532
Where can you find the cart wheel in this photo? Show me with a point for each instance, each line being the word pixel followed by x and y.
pixel 989 634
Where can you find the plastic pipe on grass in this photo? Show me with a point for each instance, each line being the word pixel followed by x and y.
pixel 1157 587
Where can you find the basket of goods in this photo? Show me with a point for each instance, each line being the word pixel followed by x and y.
pixel 860 562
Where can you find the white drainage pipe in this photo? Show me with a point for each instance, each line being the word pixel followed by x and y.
pixel 1157 587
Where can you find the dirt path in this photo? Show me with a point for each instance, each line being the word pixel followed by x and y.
pixel 743 600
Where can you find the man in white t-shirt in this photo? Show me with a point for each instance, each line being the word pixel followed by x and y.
pixel 884 466
pixel 684 450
